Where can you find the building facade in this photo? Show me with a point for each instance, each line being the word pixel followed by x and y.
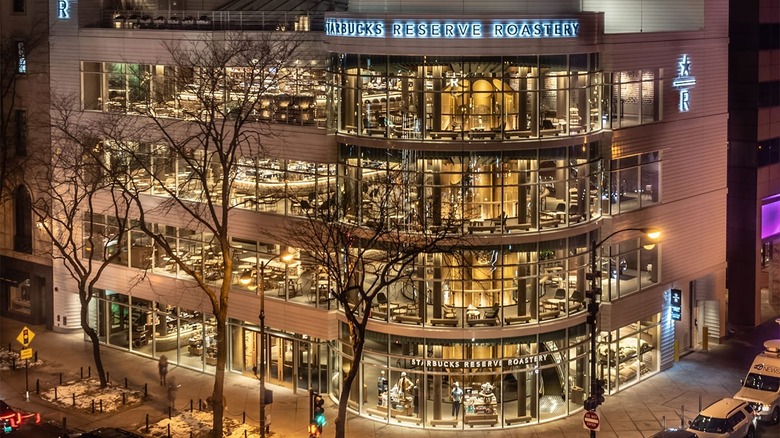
pixel 25 258
pixel 754 154
pixel 541 127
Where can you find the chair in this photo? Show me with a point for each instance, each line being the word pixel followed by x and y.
pixel 560 294
pixel 381 299
pixel 448 311
pixel 492 313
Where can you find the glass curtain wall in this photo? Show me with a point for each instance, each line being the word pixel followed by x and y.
pixel 483 192
pixel 297 97
pixel 474 98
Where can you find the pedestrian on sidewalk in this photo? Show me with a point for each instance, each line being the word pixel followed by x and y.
pixel 163 368
pixel 172 388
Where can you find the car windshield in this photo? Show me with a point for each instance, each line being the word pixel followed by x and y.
pixel 708 424
pixel 764 383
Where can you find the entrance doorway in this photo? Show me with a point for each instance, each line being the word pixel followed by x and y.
pixel 282 361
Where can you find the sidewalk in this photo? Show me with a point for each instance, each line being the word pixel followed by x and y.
pixel 634 413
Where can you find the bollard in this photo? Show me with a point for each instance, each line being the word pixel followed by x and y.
pixel 676 350
pixel 145 390
pixel 705 338
pixel 13 362
pixel 93 405
pixel 682 416
pixel 169 412
pixel 124 398
pixel 101 405
pixel 244 433
pixel 192 405
pixel 55 393
pixel 125 382
pixel 107 376
pixel 37 386
pixel 74 399
pixel 699 402
pixel 169 430
pixel 200 404
pixel 64 425
pixel 89 371
pixel 663 422
pixel 147 423
pixel 35 357
pixel 81 372
pixel 243 417
pixel 60 378
pixel 190 434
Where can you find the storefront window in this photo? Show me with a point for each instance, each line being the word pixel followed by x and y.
pixel 461 383
pixel 629 354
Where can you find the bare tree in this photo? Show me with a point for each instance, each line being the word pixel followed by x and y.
pixel 201 122
pixel 69 198
pixel 14 55
pixel 367 246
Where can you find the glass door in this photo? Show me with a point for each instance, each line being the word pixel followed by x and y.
pixel 282 361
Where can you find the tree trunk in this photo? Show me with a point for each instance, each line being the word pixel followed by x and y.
pixel 93 337
pixel 219 374
pixel 346 387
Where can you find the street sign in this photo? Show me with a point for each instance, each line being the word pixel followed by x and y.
pixel 26 353
pixel 590 420
pixel 25 336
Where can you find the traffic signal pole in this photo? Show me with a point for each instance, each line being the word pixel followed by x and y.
pixel 593 308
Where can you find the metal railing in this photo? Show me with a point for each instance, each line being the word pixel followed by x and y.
pixel 296 21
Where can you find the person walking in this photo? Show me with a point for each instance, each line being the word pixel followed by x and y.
pixel 162 366
pixel 172 388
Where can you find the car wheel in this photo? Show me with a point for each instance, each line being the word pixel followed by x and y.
pixel 751 433
pixel 776 415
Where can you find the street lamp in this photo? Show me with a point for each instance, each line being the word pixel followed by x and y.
pixel 596 386
pixel 245 279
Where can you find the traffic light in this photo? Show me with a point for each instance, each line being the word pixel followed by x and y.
pixel 598 393
pixel 317 412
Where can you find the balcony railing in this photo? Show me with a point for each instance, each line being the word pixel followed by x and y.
pixel 299 21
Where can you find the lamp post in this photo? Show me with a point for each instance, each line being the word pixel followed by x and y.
pixel 245 279
pixel 596 386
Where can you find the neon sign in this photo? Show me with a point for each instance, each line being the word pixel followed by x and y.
pixel 683 82
pixel 63 9
pixel 378 28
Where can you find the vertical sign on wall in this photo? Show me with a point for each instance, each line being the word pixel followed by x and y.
pixel 63 9
pixel 676 304
pixel 683 83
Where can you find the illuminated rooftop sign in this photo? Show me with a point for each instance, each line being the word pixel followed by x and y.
pixel 448 28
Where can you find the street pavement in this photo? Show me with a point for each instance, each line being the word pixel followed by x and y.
pixel 639 411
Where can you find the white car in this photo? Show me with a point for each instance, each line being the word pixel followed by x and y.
pixel 728 418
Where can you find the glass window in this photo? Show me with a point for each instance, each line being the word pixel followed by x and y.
pixel 635 98
pixel 21 58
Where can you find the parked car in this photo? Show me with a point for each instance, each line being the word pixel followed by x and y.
pixel 675 433
pixel 726 418
pixel 10 419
